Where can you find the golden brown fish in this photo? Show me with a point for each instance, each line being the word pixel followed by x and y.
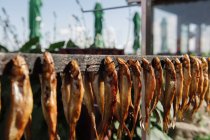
pixel 124 85
pixel 207 97
pixel 73 90
pixel 179 84
pixel 205 82
pixel 21 100
pixel 195 72
pixel 110 87
pixel 169 93
pixel 186 85
pixel 136 79
pixel 150 84
pixel 89 101
pixel 200 87
pixel 97 84
pixel 156 63
pixel 49 94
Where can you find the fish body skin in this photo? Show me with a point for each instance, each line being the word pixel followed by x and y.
pixel 195 72
pixel 137 85
pixel 169 93
pixel 21 100
pixel 186 84
pixel 89 101
pixel 97 84
pixel 205 82
pixel 207 96
pixel 156 63
pixel 49 94
pixel 150 84
pixel 124 84
pixel 73 89
pixel 179 84
pixel 110 92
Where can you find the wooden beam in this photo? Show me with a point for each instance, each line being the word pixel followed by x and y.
pixel 86 62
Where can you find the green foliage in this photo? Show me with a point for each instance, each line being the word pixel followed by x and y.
pixel 27 47
pixel 3 49
pixel 56 46
pixel 70 44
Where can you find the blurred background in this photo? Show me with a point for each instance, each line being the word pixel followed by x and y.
pixel 179 26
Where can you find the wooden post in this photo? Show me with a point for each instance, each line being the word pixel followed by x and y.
pixel 147 28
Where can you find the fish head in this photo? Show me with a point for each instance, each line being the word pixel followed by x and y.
pixel 146 64
pixel 195 70
pixel 74 69
pixel 204 64
pixel 109 65
pixel 123 67
pixel 169 66
pixel 177 65
pixel 156 63
pixel 48 63
pixel 134 65
pixel 185 61
pixel 19 68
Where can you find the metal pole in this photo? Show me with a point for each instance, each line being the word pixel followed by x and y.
pixel 146 28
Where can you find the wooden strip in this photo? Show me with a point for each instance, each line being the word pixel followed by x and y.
pixel 86 62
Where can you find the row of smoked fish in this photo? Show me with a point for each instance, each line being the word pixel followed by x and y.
pixel 179 84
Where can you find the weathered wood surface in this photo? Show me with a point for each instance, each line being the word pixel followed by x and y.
pixel 86 62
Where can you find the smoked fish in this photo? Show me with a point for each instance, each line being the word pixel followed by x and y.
pixel 156 64
pixel 21 100
pixel 200 87
pixel 97 84
pixel 48 83
pixel 136 69
pixel 179 84
pixel 169 93
pixel 185 60
pixel 195 72
pixel 110 92
pixel 124 84
pixel 72 95
pixel 207 97
pixel 206 80
pixel 89 101
pixel 150 85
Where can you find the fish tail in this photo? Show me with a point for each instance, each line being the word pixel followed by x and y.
pixel 119 132
pixel 72 134
pixel 127 130
pixel 180 114
pixel 165 125
pixel 208 108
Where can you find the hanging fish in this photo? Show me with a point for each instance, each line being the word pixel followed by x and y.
pixel 124 84
pixel 97 84
pixel 49 95
pixel 205 81
pixel 186 84
pixel 169 93
pixel 136 79
pixel 72 95
pixel 156 64
pixel 200 87
pixel 207 97
pixel 195 72
pixel 89 101
pixel 179 84
pixel 21 100
pixel 110 92
pixel 150 85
